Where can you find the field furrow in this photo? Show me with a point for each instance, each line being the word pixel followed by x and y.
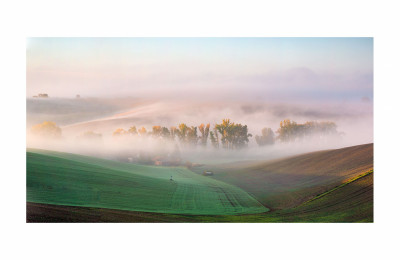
pixel 74 180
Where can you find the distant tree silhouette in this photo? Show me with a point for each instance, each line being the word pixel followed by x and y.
pixel 132 130
pixel 214 140
pixel 267 137
pixel 165 133
pixel 90 135
pixel 204 130
pixel 290 131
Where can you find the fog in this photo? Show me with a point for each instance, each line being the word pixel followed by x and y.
pixel 354 118
pixel 145 82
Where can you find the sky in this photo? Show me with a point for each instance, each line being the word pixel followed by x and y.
pixel 202 68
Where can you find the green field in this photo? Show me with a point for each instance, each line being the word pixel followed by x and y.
pixel 74 180
pixel 325 186
pixel 350 202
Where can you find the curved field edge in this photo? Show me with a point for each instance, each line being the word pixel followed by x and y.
pixel 74 180
pixel 349 203
pixel 339 186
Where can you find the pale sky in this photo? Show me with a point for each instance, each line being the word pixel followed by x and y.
pixel 270 68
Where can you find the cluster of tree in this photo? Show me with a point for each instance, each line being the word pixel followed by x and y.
pixel 233 136
pixel 47 129
pixel 131 131
pixel 227 135
pixel 187 135
pixel 291 131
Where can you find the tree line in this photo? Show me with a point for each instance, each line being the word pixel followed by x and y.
pixel 226 135
pixel 290 131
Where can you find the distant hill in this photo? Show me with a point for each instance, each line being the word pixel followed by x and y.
pixel 67 111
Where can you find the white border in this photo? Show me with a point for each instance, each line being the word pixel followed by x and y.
pixel 21 19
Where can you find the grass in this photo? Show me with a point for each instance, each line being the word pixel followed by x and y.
pixel 352 202
pixel 336 184
pixel 340 186
pixel 73 180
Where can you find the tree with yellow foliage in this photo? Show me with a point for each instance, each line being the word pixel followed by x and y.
pixel 142 131
pixel 119 132
pixel 156 131
pixel 46 129
pixel 233 136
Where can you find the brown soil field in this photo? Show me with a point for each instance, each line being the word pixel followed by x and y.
pixel 288 182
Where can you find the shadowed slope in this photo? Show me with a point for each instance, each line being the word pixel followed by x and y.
pixel 288 182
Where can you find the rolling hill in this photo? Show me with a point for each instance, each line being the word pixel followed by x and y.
pixel 352 202
pixel 325 186
pixel 73 180
pixel 288 182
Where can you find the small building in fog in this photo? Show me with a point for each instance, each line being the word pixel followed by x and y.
pixel 41 95
pixel 208 173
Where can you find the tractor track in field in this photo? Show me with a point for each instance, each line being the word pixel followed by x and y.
pixel 78 181
pixel 354 194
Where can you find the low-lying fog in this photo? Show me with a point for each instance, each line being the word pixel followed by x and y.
pixel 354 119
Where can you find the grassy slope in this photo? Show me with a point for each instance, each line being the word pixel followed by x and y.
pixel 348 203
pixel 68 179
pixel 288 182
pixel 352 202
